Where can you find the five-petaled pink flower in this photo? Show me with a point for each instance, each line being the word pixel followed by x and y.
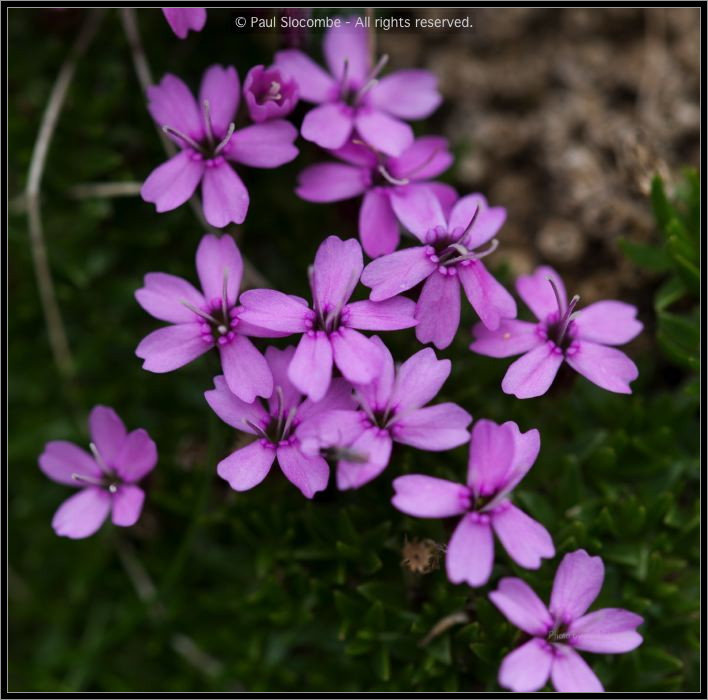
pixel 557 631
pixel 107 479
pixel 500 456
pixel 380 179
pixel 352 98
pixel 182 19
pixel 205 319
pixel 274 426
pixel 207 136
pixel 392 408
pixel 581 338
pixel 447 259
pixel 269 94
pixel 329 335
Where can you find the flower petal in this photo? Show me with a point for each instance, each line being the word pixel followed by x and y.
pixel 488 298
pixel 419 379
pixel 331 182
pixel 221 89
pixel 267 145
pixel 61 459
pixel 374 446
pixel 378 227
pixel 376 394
pixel 171 184
pixel 107 433
pixel 397 272
pixel 348 44
pixel 491 456
pixel 357 358
pixel 512 337
pixel 608 323
pixel 248 466
pixel 314 84
pixel 438 310
pixel 336 272
pixel 408 94
pixel 311 367
pixel 526 669
pixel 309 474
pixel 163 294
pixel 606 631
pixel 329 428
pixel 518 602
pixel 428 497
pixel 127 505
pixel 285 395
pixel 470 552
pixel 487 224
pixel 533 373
pixel 577 583
pixel 82 514
pixel 232 410
pixel 386 134
pixel 182 19
pixel 570 673
pixel 537 291
pixel 137 456
pixel 171 103
pixel 446 194
pixel 418 209
pixel 434 428
pixel 526 449
pixel 171 347
pixel 389 315
pixel 526 541
pixel 609 368
pixel 224 196
pixel 245 369
pixel 338 398
pixel 425 158
pixel 219 260
pixel 274 310
pixel 328 125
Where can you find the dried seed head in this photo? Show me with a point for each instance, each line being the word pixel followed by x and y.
pixel 421 556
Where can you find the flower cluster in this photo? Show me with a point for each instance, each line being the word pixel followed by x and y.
pixel 337 395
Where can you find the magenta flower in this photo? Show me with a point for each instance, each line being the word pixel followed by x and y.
pixel 557 632
pixel 107 481
pixel 329 335
pixel 379 178
pixel 392 408
pixel 182 19
pixel 352 98
pixel 447 259
pixel 202 320
pixel 581 338
pixel 268 94
pixel 500 457
pixel 207 136
pixel 274 425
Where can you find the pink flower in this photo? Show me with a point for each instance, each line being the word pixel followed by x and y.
pixel 581 338
pixel 447 260
pixel 274 426
pixel 329 331
pixel 379 178
pixel 182 19
pixel 202 320
pixel 392 408
pixel 268 94
pixel 500 457
pixel 106 479
pixel 351 97
pixel 561 629
pixel 206 134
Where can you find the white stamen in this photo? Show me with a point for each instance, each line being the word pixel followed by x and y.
pixel 99 460
pixel 199 312
pixel 207 121
pixel 180 135
pixel 225 141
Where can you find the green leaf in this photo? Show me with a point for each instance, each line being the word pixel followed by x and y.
pixel 650 257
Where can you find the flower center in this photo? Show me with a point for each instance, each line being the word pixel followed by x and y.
pixel 559 326
pixel 348 92
pixel 272 94
pixel 559 633
pixel 281 425
pixel 210 147
pixel 108 480
pixel 218 321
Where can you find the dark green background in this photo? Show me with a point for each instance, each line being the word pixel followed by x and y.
pixel 270 591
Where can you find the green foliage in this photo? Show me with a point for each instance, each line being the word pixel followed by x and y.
pixel 678 257
pixel 265 590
